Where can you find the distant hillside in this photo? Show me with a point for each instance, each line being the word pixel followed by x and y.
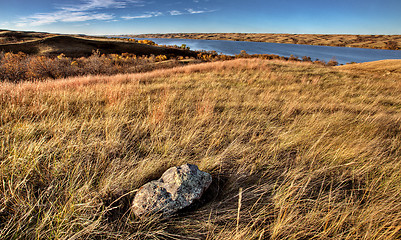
pixel 339 40
pixel 77 46
pixel 7 36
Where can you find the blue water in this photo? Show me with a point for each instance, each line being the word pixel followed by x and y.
pixel 341 54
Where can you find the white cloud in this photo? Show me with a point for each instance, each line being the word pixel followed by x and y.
pixel 171 12
pixel 135 17
pixel 175 13
pixel 89 5
pixel 89 10
pixel 82 17
pixel 4 24
pixel 191 11
pixel 92 5
pixel 62 16
pixel 86 11
pixel 145 15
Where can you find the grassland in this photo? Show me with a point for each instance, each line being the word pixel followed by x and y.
pixel 19 67
pixel 315 149
pixel 339 40
pixel 78 46
pixel 22 67
pixel 8 36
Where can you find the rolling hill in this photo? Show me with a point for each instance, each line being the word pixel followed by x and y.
pixel 77 46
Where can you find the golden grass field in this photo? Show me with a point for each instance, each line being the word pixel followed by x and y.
pixel 339 40
pixel 315 149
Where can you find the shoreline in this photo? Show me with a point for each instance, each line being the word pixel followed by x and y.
pixel 389 42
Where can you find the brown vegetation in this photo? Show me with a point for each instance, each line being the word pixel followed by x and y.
pixel 387 67
pixel 22 67
pixel 392 42
pixel 316 151
pixel 74 46
pixel 7 36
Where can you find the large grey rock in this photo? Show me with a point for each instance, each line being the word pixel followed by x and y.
pixel 177 188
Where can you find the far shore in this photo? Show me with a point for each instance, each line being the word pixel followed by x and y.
pixel 391 42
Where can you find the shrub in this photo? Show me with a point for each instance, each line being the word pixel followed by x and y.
pixel 160 58
pixel 391 45
pixel 148 42
pixel 306 59
pixel 22 67
pixel 319 62
pixel 293 58
pixel 12 66
pixel 184 46
pixel 243 54
pixel 332 62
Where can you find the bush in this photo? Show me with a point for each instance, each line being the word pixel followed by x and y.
pixel 243 54
pixel 13 66
pixel 319 62
pixel 332 62
pixel 306 59
pixel 391 45
pixel 293 58
pixel 184 46
pixel 21 67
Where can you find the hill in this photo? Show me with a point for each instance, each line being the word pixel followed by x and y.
pixel 386 66
pixel 77 46
pixel 7 36
pixel 316 150
pixel 338 40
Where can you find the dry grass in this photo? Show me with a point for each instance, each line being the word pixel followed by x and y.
pixel 76 46
pixel 339 40
pixel 386 66
pixel 315 149
pixel 21 67
pixel 7 36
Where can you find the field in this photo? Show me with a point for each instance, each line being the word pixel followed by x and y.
pixel 46 44
pixel 361 41
pixel 76 44
pixel 7 36
pixel 315 149
pixel 19 67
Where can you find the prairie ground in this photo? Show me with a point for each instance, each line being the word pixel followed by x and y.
pixel 339 40
pixel 47 44
pixel 315 149
pixel 77 47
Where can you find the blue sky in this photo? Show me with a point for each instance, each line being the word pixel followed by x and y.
pixel 164 16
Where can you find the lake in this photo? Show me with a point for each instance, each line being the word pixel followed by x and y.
pixel 341 54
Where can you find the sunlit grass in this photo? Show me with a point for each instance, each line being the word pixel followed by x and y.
pixel 315 149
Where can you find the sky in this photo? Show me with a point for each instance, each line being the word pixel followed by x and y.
pixel 100 17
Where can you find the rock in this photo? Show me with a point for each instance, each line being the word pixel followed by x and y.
pixel 177 188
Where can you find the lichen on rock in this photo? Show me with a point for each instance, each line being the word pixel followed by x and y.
pixel 177 188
